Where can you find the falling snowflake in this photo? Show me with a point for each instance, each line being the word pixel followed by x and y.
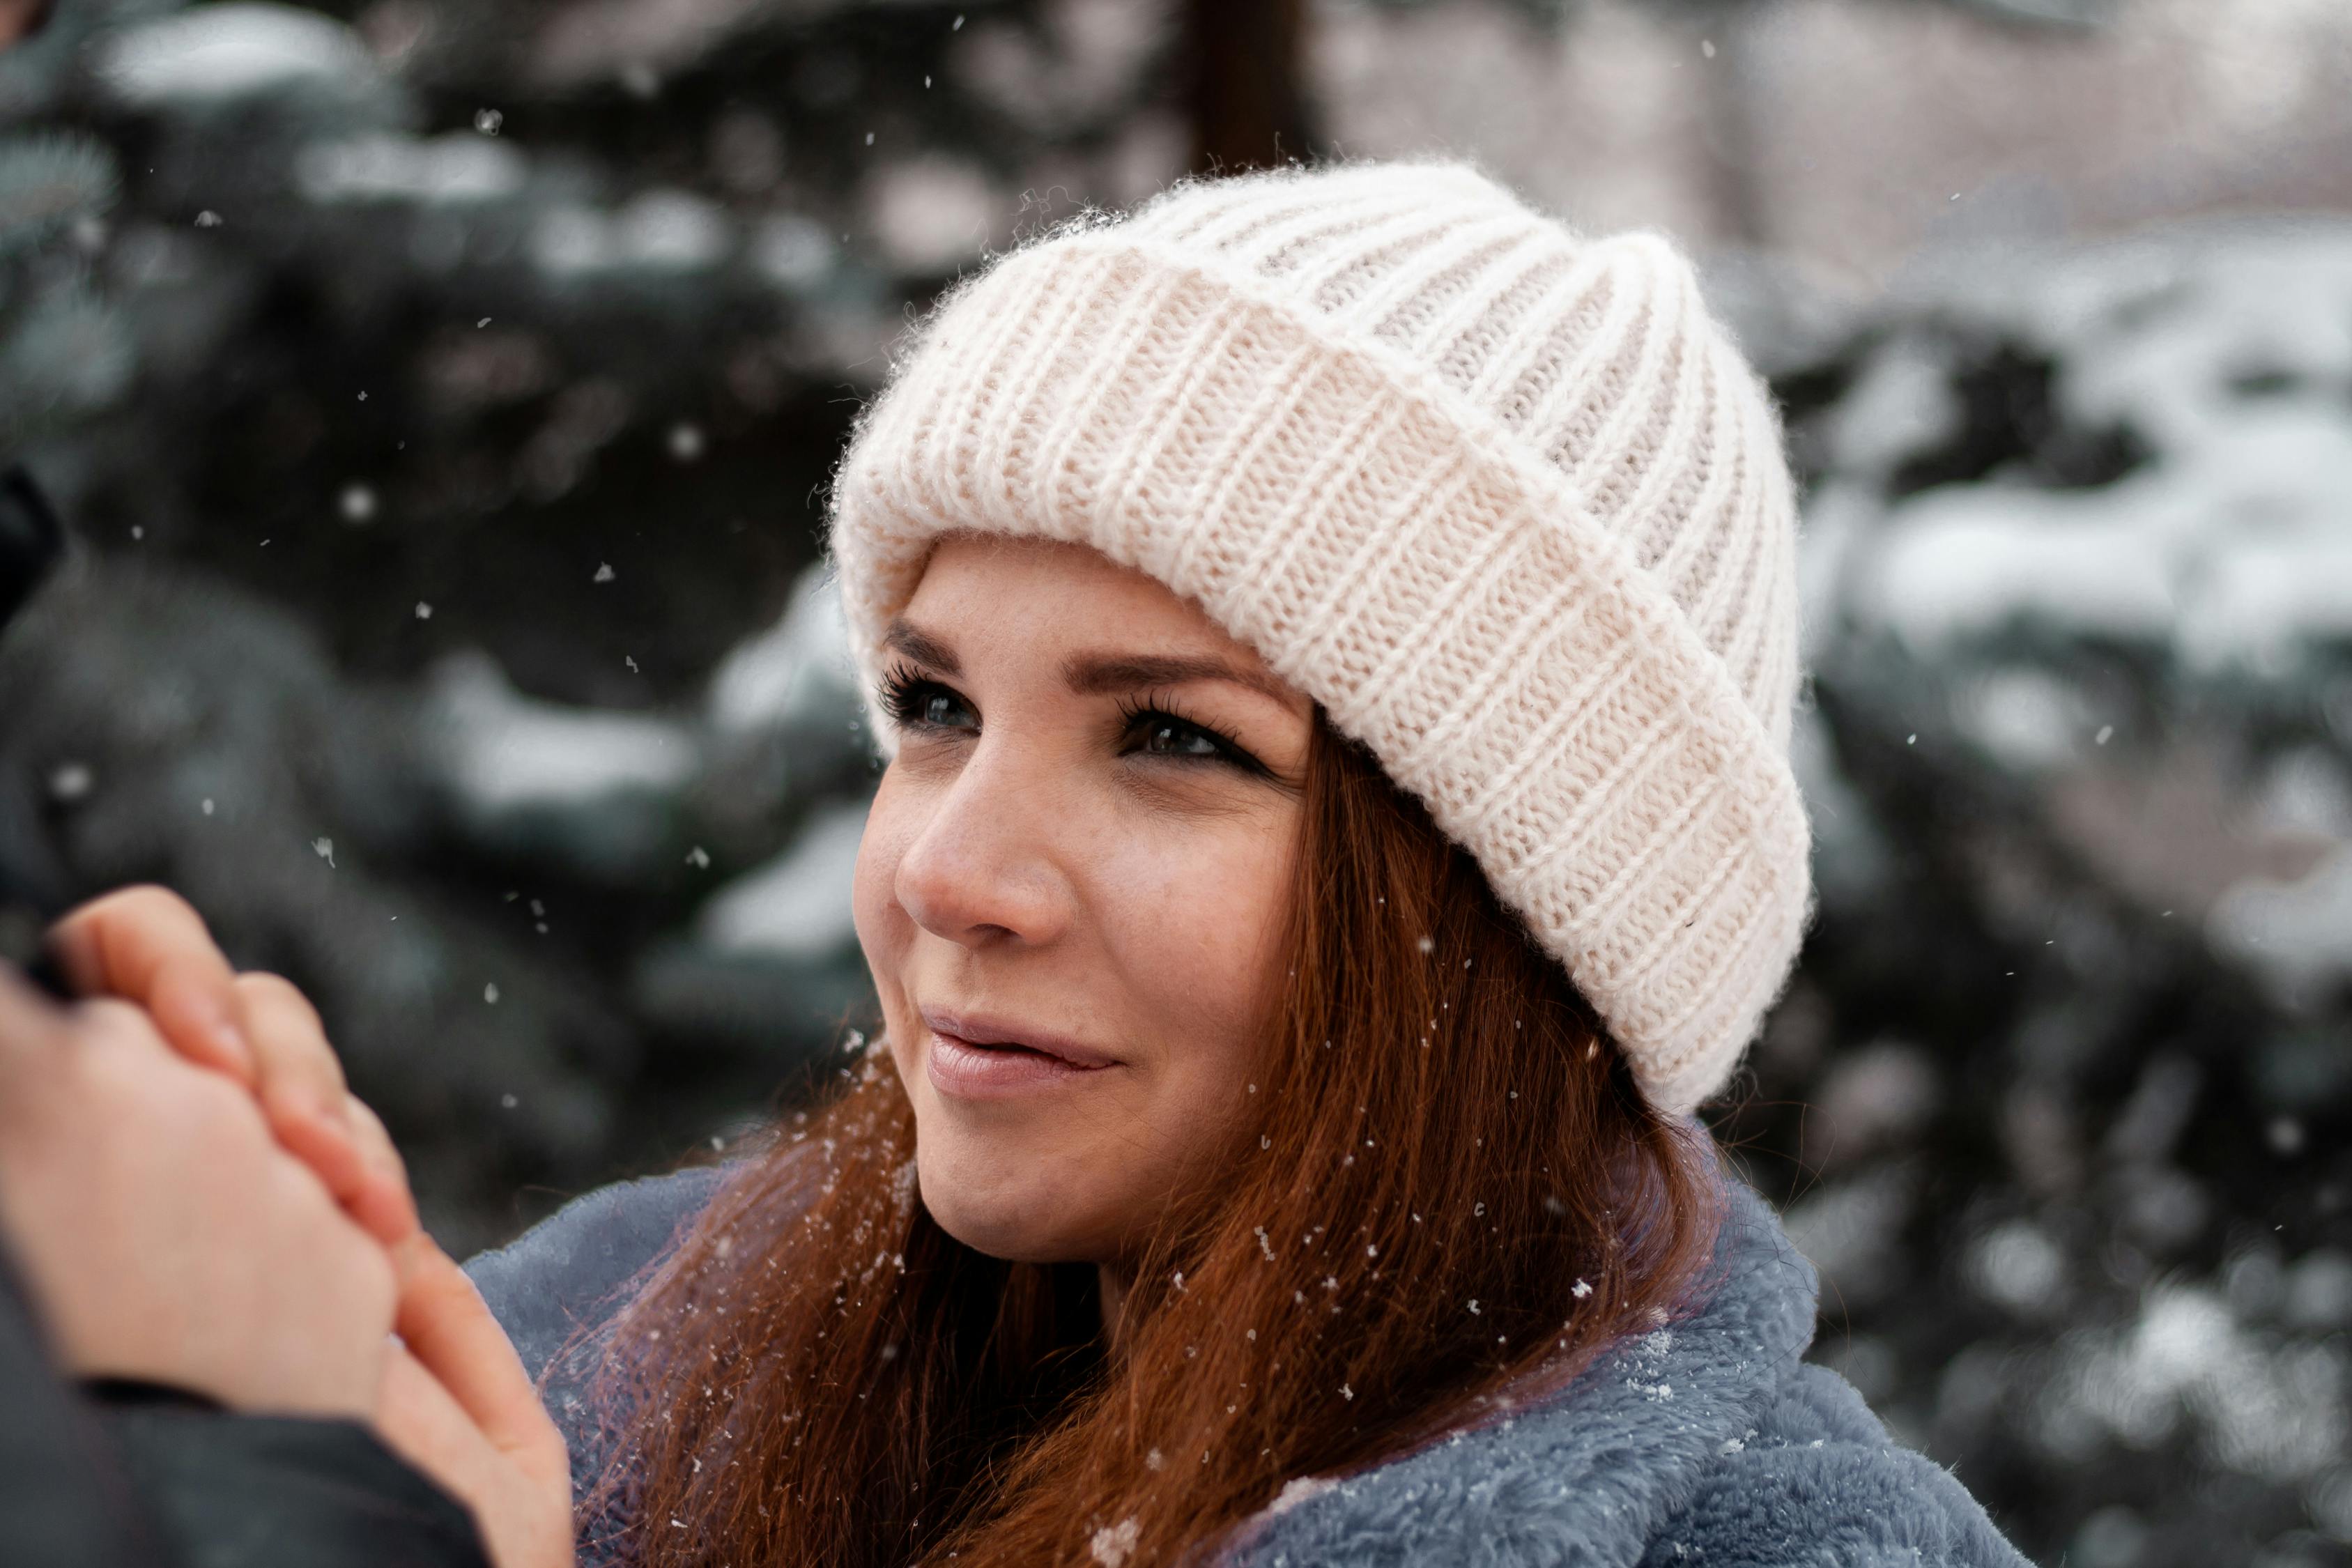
pixel 603 571
pixel 325 848
pixel 491 993
pixel 423 610
pixel 488 121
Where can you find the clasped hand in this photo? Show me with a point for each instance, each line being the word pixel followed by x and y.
pixel 195 1198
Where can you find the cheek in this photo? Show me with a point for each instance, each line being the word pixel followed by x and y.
pixel 1197 936
pixel 883 927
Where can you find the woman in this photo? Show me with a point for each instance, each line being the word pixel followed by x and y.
pixel 1334 637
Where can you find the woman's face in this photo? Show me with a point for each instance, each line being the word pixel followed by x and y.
pixel 1071 891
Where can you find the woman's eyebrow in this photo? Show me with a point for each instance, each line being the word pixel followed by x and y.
pixel 921 647
pixel 1094 674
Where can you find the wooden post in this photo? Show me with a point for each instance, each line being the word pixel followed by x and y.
pixel 1244 89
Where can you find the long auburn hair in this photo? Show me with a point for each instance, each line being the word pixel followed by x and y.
pixel 1454 1197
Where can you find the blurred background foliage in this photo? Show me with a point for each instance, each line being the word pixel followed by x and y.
pixel 442 396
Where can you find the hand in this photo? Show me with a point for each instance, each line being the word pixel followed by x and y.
pixel 162 1232
pixel 148 947
pixel 455 1401
pixel 457 1404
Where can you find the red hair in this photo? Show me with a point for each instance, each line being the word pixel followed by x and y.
pixel 1454 1197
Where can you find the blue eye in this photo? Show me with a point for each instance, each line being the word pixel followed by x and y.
pixel 915 701
pixel 1155 731
pixel 919 703
pixel 1167 736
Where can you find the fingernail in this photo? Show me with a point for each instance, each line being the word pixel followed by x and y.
pixel 232 1043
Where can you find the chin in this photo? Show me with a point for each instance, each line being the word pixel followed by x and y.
pixel 1024 1221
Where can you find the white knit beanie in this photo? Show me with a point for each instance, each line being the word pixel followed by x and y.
pixel 1501 497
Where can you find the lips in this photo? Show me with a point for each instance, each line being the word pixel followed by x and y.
pixel 995 1033
pixel 977 1058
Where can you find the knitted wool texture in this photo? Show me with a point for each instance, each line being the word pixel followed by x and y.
pixel 1502 498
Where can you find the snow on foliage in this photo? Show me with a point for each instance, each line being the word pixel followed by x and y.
pixel 799 665
pixel 797 905
pixel 454 168
pixel 2230 356
pixel 506 751
pixel 213 53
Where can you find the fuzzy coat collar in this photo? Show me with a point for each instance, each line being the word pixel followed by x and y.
pixel 1710 1441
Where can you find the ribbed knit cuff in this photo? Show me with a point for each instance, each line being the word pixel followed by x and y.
pixel 1391 552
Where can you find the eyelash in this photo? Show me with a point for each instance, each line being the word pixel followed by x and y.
pixel 903 690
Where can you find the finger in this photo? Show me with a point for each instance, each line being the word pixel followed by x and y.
pixel 447 1326
pixel 289 1045
pixel 330 1152
pixel 149 946
pixel 419 1421
pixel 197 1015
pixel 385 1207
pixel 302 1090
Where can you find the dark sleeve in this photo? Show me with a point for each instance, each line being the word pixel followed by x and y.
pixel 261 1491
pixel 66 1499
pixel 1817 1481
pixel 132 1476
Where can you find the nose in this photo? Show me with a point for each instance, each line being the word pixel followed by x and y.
pixel 986 868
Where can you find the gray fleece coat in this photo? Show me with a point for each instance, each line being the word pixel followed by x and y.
pixel 1710 1442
